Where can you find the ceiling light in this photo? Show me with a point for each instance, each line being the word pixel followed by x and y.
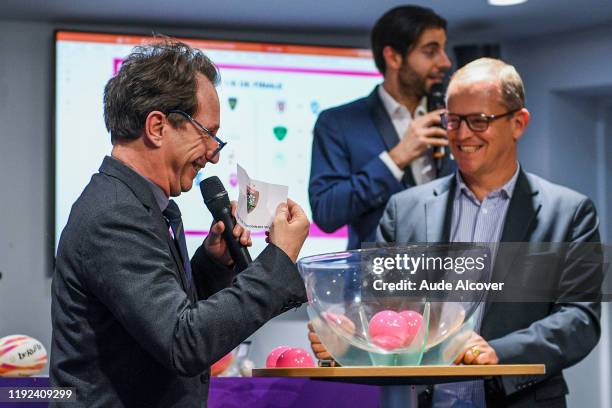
pixel 506 2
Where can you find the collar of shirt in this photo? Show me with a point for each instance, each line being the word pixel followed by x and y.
pixel 160 196
pixel 504 191
pixel 398 111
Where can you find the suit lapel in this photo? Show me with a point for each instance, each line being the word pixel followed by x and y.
pixel 524 207
pixel 178 261
pixel 163 230
pixel 142 191
pixel 385 127
pixel 437 228
pixel 381 120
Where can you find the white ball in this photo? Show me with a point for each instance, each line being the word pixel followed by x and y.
pixel 21 356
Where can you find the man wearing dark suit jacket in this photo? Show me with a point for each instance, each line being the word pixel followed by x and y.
pixel 367 150
pixel 491 198
pixel 135 322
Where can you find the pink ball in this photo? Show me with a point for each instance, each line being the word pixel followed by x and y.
pixel 414 320
pixel 274 355
pixel 295 357
pixel 333 318
pixel 388 329
pixel 388 342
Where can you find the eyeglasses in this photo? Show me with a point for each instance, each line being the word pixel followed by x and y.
pixel 477 122
pixel 220 144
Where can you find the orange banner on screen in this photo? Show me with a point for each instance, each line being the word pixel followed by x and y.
pixel 215 44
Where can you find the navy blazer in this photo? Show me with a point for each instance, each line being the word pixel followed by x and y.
pixel 558 334
pixel 126 332
pixel 349 184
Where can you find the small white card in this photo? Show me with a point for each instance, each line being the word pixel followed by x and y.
pixel 257 201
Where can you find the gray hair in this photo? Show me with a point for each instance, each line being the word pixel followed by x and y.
pixel 157 77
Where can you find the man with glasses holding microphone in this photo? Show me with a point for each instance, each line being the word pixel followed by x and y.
pixel 136 321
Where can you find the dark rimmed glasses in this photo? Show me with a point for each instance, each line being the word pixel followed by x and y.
pixel 477 122
pixel 220 143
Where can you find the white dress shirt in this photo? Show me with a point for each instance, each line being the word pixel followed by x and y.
pixel 422 167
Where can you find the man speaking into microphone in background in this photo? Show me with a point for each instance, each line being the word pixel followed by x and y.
pixel 136 323
pixel 369 149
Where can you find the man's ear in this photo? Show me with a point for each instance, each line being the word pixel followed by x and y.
pixel 520 122
pixel 154 128
pixel 393 59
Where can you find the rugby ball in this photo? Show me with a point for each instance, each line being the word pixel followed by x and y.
pixel 21 356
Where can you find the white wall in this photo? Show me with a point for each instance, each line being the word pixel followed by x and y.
pixel 551 67
pixel 25 94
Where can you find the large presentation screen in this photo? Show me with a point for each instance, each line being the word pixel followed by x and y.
pixel 270 94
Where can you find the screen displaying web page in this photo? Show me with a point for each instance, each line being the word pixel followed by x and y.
pixel 270 95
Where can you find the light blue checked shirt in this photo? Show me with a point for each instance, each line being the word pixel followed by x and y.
pixel 474 221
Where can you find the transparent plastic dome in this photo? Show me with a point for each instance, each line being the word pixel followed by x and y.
pixel 359 327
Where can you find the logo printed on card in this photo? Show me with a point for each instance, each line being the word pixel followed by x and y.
pixel 252 198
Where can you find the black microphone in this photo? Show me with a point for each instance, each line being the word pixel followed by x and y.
pixel 435 101
pixel 218 203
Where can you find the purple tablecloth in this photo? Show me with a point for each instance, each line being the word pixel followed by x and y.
pixel 256 393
